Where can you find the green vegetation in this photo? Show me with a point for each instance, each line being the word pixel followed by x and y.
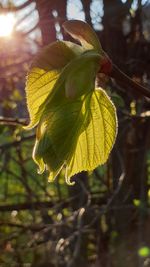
pixel 76 122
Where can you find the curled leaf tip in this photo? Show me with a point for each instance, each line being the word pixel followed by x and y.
pixel 51 177
pixel 68 181
pixel 84 33
pixel 53 174
pixel 67 178
pixel 41 168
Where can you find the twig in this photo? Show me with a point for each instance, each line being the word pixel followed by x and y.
pixel 15 143
pixel 38 205
pixel 15 8
pixel 12 121
pixel 34 227
pixel 127 82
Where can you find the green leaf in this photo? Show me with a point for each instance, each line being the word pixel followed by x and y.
pixel 55 56
pixel 57 138
pixel 43 75
pixel 39 85
pixel 83 32
pixel 81 75
pixel 99 129
pixel 54 113
pixel 76 123
pixel 73 68
pixel 77 134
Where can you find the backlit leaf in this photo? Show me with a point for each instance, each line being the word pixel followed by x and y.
pixel 43 75
pixel 76 123
pixel 59 114
pixel 39 85
pixel 77 135
pixel 98 134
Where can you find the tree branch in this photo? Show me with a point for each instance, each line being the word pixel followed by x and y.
pixel 127 82
pixel 15 8
pixel 38 205
pixel 15 143
pixel 12 121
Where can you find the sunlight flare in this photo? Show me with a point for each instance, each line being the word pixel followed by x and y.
pixel 7 23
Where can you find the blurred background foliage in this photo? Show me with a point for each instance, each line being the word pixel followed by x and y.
pixel 104 220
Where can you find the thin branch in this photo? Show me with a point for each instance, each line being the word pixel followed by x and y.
pixel 38 205
pixel 34 227
pixel 127 82
pixel 15 8
pixel 31 30
pixel 26 206
pixel 15 143
pixel 12 121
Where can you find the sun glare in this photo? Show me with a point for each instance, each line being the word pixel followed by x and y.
pixel 6 25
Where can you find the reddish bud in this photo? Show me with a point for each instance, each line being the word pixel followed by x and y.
pixel 106 66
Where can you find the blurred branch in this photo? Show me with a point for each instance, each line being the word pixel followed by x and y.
pixel 27 206
pixel 80 226
pixel 12 121
pixel 34 227
pixel 15 8
pixel 86 7
pixel 31 30
pixel 23 18
pixel 127 82
pixel 38 205
pixel 15 143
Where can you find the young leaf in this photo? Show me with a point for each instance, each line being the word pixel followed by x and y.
pixel 59 138
pixel 82 31
pixel 43 75
pixel 76 123
pixel 81 75
pixel 98 134
pixel 39 85
pixel 79 134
